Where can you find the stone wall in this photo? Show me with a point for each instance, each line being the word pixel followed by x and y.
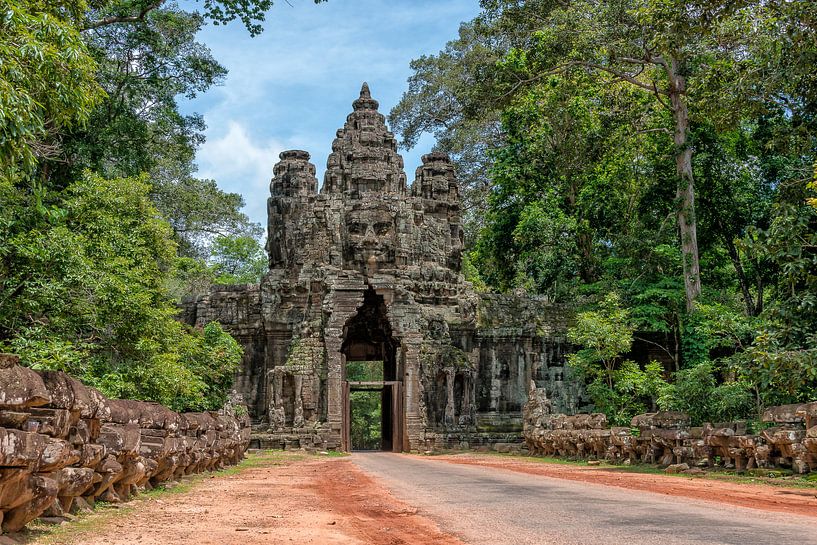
pixel 666 438
pixel 64 445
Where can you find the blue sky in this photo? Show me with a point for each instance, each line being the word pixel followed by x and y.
pixel 292 86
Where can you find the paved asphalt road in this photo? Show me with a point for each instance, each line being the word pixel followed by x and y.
pixel 497 507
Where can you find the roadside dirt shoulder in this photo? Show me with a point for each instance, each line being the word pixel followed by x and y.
pixel 321 501
pixel 764 497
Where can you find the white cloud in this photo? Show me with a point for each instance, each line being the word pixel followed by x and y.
pixel 241 164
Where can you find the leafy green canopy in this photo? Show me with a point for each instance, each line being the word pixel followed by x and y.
pixel 617 140
pixel 143 66
pixel 95 86
pixel 47 79
pixel 82 289
pixel 238 260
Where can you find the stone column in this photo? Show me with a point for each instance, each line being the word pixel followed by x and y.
pixel 334 382
pixel 468 401
pixel 298 418
pixel 496 384
pixel 342 301
pixel 277 414
pixel 415 420
pixel 450 375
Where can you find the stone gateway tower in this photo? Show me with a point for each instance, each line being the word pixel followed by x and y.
pixel 368 269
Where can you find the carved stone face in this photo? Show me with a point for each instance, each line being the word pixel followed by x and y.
pixel 370 237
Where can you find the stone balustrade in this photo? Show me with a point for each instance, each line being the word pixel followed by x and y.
pixel 667 438
pixel 64 445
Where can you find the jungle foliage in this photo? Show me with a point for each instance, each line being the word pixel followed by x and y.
pixel 366 425
pixel 658 150
pixel 103 224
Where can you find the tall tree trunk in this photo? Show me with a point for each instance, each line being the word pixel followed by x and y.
pixel 584 241
pixel 676 334
pixel 751 309
pixel 685 195
pixel 587 270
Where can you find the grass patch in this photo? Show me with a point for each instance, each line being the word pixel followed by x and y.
pixel 263 458
pixel 86 523
pixel 40 533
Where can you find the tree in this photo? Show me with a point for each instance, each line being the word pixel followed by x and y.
pixel 664 150
pixel 238 260
pixel 143 66
pixel 604 336
pixel 138 128
pixel 620 389
pixel 199 211
pixel 47 80
pixel 220 12
pixel 667 49
pixel 83 275
pixel 569 184
pixel 49 77
pixel 448 97
pixel 86 258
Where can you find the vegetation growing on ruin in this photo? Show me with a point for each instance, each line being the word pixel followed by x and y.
pixel 661 151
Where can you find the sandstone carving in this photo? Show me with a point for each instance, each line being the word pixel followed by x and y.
pixel 666 438
pixel 64 446
pixel 368 268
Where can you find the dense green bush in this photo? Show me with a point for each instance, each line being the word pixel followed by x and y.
pixel 620 389
pixel 696 392
pixel 83 289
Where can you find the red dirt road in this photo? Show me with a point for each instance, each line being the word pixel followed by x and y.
pixel 764 497
pixel 325 501
pixel 284 499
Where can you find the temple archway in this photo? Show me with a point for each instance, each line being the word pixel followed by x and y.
pixel 368 341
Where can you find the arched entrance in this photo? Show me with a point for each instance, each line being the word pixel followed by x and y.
pixel 371 376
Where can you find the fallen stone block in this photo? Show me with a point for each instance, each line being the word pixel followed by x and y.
pixel 39 494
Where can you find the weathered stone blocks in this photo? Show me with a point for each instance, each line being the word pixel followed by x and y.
pixel 22 387
pixel 64 445
pixel 666 438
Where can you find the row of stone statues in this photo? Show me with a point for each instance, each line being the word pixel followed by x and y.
pixel 667 438
pixel 64 445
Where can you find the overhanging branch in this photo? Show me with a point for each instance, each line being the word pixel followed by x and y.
pixel 115 19
pixel 653 88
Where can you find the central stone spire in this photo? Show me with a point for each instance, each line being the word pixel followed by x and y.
pixel 365 102
pixel 364 156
